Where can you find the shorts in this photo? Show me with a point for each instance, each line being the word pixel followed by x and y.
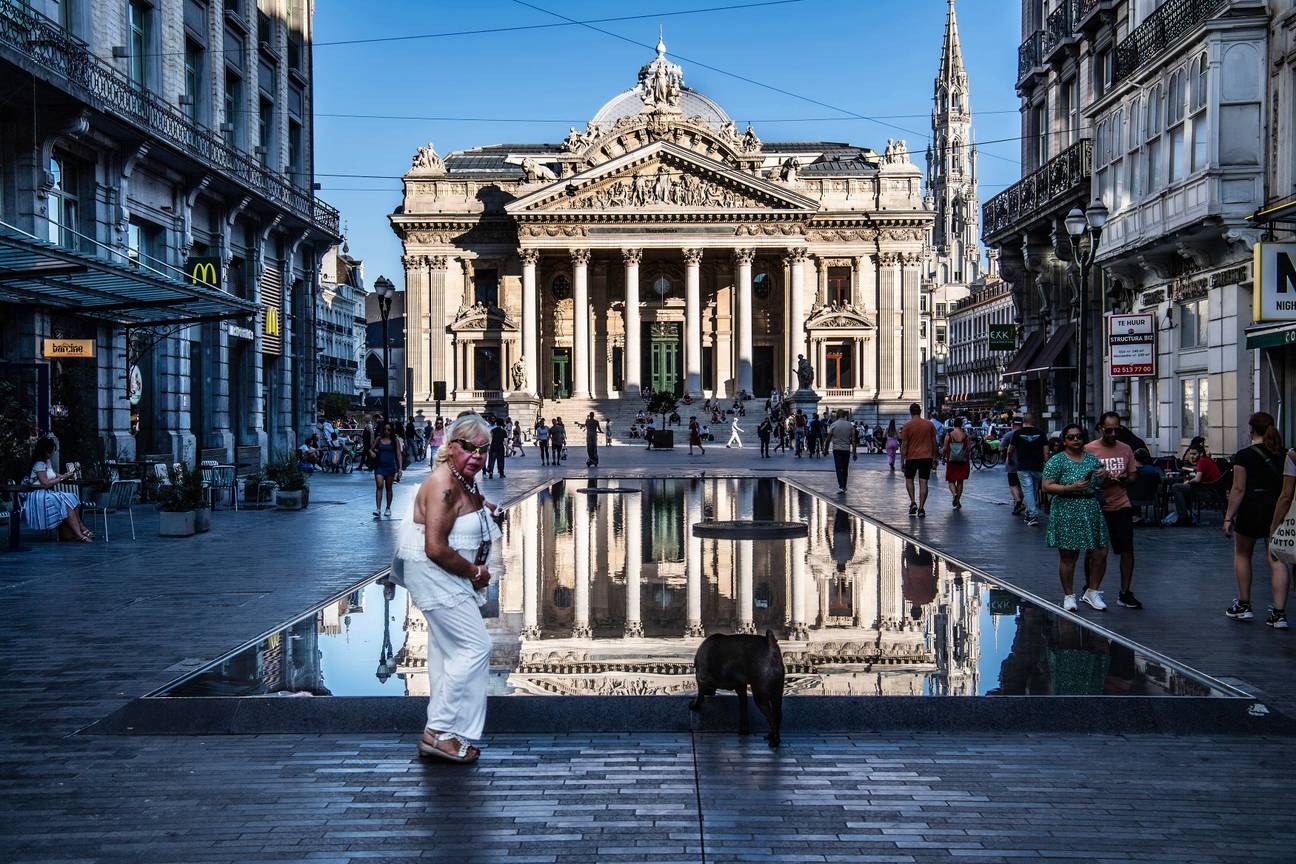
pixel 1120 529
pixel 1013 480
pixel 920 467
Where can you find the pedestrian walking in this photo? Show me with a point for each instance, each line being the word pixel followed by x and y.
pixel 918 451
pixel 799 431
pixel 495 459
pixel 695 435
pixel 1076 522
pixel 735 440
pixel 515 446
pixel 1120 469
pixel 385 457
pixel 1257 483
pixel 542 440
pixel 955 454
pixel 779 433
pixel 557 442
pixel 1027 449
pixel 448 552
pixel 592 432
pixel 891 443
pixel 842 441
pixel 435 440
pixel 1010 468
pixel 649 431
pixel 763 432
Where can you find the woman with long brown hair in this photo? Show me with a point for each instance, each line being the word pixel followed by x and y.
pixel 1257 482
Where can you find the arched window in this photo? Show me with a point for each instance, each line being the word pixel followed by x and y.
pixel 560 287
pixel 662 287
pixel 762 284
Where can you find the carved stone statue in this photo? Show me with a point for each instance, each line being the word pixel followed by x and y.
pixel 788 172
pixel 427 161
pixel 750 142
pixel 533 170
pixel 804 372
pixel 897 151
pixel 660 82
pixel 519 374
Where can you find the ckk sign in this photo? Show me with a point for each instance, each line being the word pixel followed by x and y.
pixel 1274 282
pixel 1131 344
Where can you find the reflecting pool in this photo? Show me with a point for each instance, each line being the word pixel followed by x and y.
pixel 610 594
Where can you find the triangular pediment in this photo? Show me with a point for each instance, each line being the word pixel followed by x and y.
pixel 666 178
pixel 480 317
pixel 833 317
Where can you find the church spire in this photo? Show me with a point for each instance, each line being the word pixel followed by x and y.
pixel 951 65
pixel 951 165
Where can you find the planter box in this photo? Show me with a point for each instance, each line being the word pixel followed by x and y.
pixel 663 439
pixel 202 520
pixel 262 492
pixel 295 500
pixel 176 524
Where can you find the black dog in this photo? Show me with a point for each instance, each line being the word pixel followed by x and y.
pixel 735 662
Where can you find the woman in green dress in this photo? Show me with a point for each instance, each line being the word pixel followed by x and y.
pixel 1076 522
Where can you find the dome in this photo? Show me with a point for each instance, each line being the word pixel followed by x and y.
pixel 691 104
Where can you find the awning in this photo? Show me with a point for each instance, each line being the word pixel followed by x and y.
pixel 1046 359
pixel 1025 354
pixel 34 272
pixel 1273 334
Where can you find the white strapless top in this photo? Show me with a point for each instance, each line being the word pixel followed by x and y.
pixel 430 586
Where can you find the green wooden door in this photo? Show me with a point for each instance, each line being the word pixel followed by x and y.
pixel 663 358
pixel 561 368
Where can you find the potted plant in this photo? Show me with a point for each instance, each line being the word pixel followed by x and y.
pixel 101 472
pixel 291 485
pixel 663 403
pixel 256 488
pixel 179 501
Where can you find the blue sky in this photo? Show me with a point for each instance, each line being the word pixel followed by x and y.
pixel 871 57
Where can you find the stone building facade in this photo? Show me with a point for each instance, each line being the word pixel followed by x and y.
pixel 662 247
pixel 975 371
pixel 340 326
pixel 156 167
pixel 954 244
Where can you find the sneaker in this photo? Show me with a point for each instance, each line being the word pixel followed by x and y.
pixel 1128 600
pixel 1032 521
pixel 841 490
pixel 913 509
pixel 1069 603
pixel 1094 599
pixel 388 513
pixel 922 513
pixel 1170 520
pixel 1239 611
pixel 1277 619
pixel 1019 508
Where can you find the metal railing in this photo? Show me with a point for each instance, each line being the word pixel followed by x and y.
pixel 100 85
pixel 1060 25
pixel 1084 7
pixel 1060 176
pixel 1030 55
pixel 1161 30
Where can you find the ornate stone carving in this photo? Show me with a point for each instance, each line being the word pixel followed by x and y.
pixel 692 256
pixel 436 262
pixel 409 262
pixel 634 630
pixel 804 372
pixel 582 631
pixel 580 256
pixel 844 235
pixel 529 256
pixel 519 373
pixel 552 231
pixel 660 82
pixel 896 153
pixel 797 255
pixel 426 161
pixel 750 143
pixel 577 141
pixel 744 255
pixel 533 171
pixel 531 633
pixel 780 230
pixel 663 187
pixel 694 631
pixel 748 627
pixel 788 170
pixel 632 256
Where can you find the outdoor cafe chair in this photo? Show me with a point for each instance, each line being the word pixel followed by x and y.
pixel 120 497
pixel 218 478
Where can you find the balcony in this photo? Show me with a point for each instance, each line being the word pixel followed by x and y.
pixel 1062 177
pixel 1030 56
pixel 1165 27
pixel 48 46
pixel 1059 29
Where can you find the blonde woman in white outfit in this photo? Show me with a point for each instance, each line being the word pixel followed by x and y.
pixel 446 545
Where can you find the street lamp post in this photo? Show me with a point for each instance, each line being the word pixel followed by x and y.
pixel 385 291
pixel 1081 225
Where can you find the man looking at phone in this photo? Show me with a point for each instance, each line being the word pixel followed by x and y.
pixel 1118 472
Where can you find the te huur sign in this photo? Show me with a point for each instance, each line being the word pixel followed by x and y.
pixel 1273 295
pixel 68 349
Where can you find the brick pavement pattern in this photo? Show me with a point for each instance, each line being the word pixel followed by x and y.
pixel 91 627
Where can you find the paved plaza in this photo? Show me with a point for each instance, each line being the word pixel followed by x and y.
pixel 92 627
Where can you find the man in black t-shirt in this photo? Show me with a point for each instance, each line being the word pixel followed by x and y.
pixel 495 456
pixel 1027 451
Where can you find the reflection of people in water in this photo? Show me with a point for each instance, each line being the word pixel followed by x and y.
pixel 843 541
pixel 1058 657
pixel 918 584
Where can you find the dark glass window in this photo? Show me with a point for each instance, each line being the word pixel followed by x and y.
pixel 561 287
pixel 762 284
pixel 486 286
pixel 839 286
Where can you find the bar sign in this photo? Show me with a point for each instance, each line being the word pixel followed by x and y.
pixel 64 349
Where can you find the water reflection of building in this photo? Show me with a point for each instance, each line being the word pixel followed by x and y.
pixel 610 594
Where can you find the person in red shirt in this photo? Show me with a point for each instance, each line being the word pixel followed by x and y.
pixel 1204 471
pixel 1119 471
pixel 918 450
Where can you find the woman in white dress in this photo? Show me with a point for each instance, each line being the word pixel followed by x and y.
pixel 446 544
pixel 49 507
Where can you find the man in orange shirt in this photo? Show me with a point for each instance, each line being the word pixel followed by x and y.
pixel 918 450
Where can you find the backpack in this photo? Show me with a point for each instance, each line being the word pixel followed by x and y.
pixel 958 451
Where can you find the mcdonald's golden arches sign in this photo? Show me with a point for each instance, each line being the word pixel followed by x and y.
pixel 204 270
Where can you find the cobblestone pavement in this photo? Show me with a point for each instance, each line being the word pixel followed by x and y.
pixel 91 627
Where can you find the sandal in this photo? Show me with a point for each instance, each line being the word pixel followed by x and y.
pixel 464 753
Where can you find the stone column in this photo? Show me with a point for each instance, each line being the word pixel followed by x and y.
pixel 634 563
pixel 440 350
pixel 743 317
pixel 581 534
pixel 889 336
pixel 693 321
pixel 866 285
pixel 910 293
pixel 798 550
pixel 821 287
pixel 530 572
pixel 633 351
pixel 744 548
pixel 693 515
pixel 581 328
pixel 417 326
pixel 796 309
pixel 530 321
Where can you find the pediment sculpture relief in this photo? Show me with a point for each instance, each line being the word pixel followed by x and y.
pixel 665 187
pixel 427 161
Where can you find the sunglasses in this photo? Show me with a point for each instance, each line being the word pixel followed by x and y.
pixel 470 447
pixel 1074 437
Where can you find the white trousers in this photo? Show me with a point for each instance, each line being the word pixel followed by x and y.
pixel 459 650
pixel 734 440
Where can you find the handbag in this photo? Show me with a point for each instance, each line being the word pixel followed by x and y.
pixel 1282 545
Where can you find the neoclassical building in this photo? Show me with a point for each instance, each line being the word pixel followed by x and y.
pixel 662 247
